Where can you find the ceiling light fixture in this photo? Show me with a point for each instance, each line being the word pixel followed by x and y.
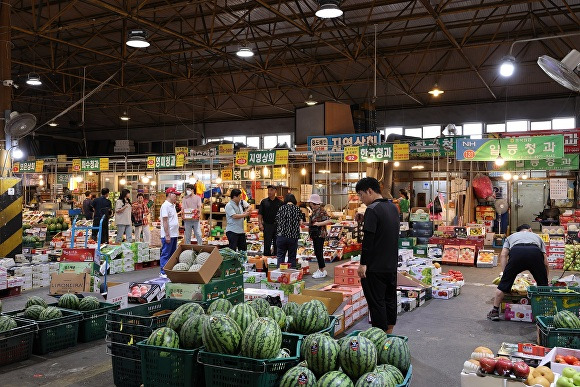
pixel 397 164
pixel 303 171
pixel 266 172
pixel 33 79
pixel 328 9
pixel 418 167
pixel 41 183
pixel 153 183
pixel 324 171
pixel 525 176
pixel 252 174
pixel 137 39
pixel 283 171
pixel 17 153
pixel 507 67
pixel 123 181
pixel 310 101
pixel 145 180
pixel 515 176
pixel 436 91
pixel 499 161
pixel 52 123
pixel 125 116
pixel 244 51
pixel 218 180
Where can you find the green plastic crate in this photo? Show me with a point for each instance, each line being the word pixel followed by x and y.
pixel 236 371
pixel 299 337
pixel 549 300
pixel 550 336
pixel 93 325
pixel 126 372
pixel 16 344
pixel 170 367
pixel 56 334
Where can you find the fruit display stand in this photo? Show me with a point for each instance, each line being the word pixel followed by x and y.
pixel 170 367
pixel 236 371
pixel 16 344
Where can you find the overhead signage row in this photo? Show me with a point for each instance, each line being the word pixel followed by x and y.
pixel 165 162
pixel 262 157
pixel 566 163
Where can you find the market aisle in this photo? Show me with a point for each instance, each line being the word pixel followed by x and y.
pixel 442 334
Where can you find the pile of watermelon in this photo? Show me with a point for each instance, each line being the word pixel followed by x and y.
pixel 71 301
pixel 55 224
pixel 369 359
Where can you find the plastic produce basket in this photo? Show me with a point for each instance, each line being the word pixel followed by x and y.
pixel 170 367
pixel 236 371
pixel 549 300
pixel 551 336
pixel 126 372
pixel 94 322
pixel 140 321
pixel 53 335
pixel 16 344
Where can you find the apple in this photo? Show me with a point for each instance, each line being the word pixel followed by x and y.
pixel 568 372
pixel 503 366
pixel 576 379
pixel 487 364
pixel 564 382
pixel 521 369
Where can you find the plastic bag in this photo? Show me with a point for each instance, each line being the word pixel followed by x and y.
pixel 482 187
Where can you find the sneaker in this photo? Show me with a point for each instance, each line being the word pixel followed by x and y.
pixel 493 315
pixel 161 275
pixel 319 274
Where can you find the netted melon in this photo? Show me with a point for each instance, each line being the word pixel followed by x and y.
pixel 181 267
pixel 186 256
pixel 195 267
pixel 202 258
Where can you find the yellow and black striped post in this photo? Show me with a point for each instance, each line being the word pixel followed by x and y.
pixel 10 217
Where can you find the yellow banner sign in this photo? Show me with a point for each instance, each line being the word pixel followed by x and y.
pixel 226 149
pixel 281 157
pixel 61 158
pixel 181 150
pixel 400 152
pixel 104 164
pixel 242 158
pixel 76 165
pixel 227 175
pixel 279 173
pixel 351 154
pixel 39 166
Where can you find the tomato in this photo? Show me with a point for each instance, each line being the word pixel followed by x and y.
pixel 562 361
pixel 558 358
pixel 570 359
pixel 576 363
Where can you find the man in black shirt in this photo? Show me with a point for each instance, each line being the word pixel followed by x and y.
pixel 378 264
pixel 267 219
pixel 87 210
pixel 102 206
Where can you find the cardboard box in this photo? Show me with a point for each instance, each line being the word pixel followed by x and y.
pixel 78 267
pixel 350 294
pixel 442 293
pixel 330 299
pixel 295 288
pixel 117 294
pixel 204 275
pixel 251 294
pixel 286 276
pixel 347 269
pixel 150 296
pixel 254 277
pixel 518 312
pixel 70 282
pixel 551 358
pixel 533 349
pixel 350 281
pixel 229 268
pixel 196 292
pixel 339 327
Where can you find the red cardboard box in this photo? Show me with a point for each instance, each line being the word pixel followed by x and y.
pixel 347 269
pixel 350 281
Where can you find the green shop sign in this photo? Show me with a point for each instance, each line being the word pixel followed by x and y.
pixel 511 149
pixel 436 147
pixel 567 163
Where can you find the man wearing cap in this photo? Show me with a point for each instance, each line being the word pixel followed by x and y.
pixel 526 251
pixel 235 215
pixel 169 227
pixel 267 219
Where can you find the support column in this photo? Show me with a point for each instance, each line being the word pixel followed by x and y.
pixel 5 74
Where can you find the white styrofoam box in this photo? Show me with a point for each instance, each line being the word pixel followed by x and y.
pixel 559 367
pixel 154 253
pixel 7 263
pixel 40 268
pixel 251 293
pixel 399 308
pixel 3 271
pixel 127 261
pixel 40 258
pixel 472 380
pixel 14 281
pixel 22 270
pixel 40 276
pixel 258 276
pixel 3 284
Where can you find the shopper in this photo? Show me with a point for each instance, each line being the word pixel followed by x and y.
pixel 526 251
pixel 87 210
pixel 267 219
pixel 317 232
pixel 138 213
pixel 378 263
pixel 191 211
pixel 102 209
pixel 288 221
pixel 169 227
pixel 235 215
pixel 404 205
pixel 123 216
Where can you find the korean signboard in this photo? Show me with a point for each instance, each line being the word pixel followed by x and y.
pixel 376 153
pixel 226 150
pixel 267 157
pixel 435 147
pixel 203 152
pixel 571 136
pixel 28 166
pixel 339 142
pixel 168 161
pixel 63 178
pixel 90 165
pixel 566 163
pixel 227 175
pixel 516 148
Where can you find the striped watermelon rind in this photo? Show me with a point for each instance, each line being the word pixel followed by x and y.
pixel 50 313
pixel 35 300
pixel 322 354
pixel 290 308
pixel 358 356
pixel 89 303
pixel 335 379
pixel 261 306
pixel 220 305
pixel 376 335
pixel 181 314
pixel 7 323
pixel 221 334
pixel 69 301
pixel 372 379
pixel 164 337
pixel 395 351
pixel 311 317
pixel 262 339
pixel 278 315
pixel 190 335
pixel 567 320
pixel 33 312
pixel 243 314
pixel 391 372
pixel 298 376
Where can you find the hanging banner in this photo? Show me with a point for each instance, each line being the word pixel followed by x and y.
pixel 281 157
pixel 434 147
pixel 203 151
pixel 278 173
pixel 566 163
pixel 571 144
pixel 28 166
pixel 226 150
pixel 246 174
pixel 181 150
pixel 377 153
pixel 353 154
pixel 90 165
pixel 242 158
pixel 168 161
pixel 516 148
pixel 267 157
pixel 61 158
pixel 76 165
pixel 339 142
pixel 227 175
pixel 400 152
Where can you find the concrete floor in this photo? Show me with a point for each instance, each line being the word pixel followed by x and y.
pixel 442 334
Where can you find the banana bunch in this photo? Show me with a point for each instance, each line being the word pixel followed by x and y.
pixel 521 285
pixel 496 280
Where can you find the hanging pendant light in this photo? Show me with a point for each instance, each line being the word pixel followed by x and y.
pixel 33 79
pixel 328 9
pixel 310 101
pixel 137 39
pixel 436 91
pixel 244 51
pixel 125 116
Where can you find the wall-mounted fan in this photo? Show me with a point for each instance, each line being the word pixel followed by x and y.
pixel 564 72
pixel 19 124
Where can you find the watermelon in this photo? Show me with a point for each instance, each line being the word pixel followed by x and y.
pixel 262 339
pixel 50 313
pixel 164 337
pixel 186 257
pixel 358 356
pixel 289 324
pixel 89 303
pixel 33 311
pixel 181 267
pixel 221 334
pixel 69 301
pixel 396 352
pixel 298 377
pixel 306 343
pixel 0 306
pixel 243 314
pixel 202 257
pixel 290 308
pixel 278 315
pixel 376 335
pixel 322 355
pixel 566 319
pixel 190 335
pixel 261 306
pixel 284 353
pixel 311 317
pixel 372 379
pixel 391 372
pixel 220 305
pixel 335 379
pixel 181 314
pixel 7 323
pixel 35 300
